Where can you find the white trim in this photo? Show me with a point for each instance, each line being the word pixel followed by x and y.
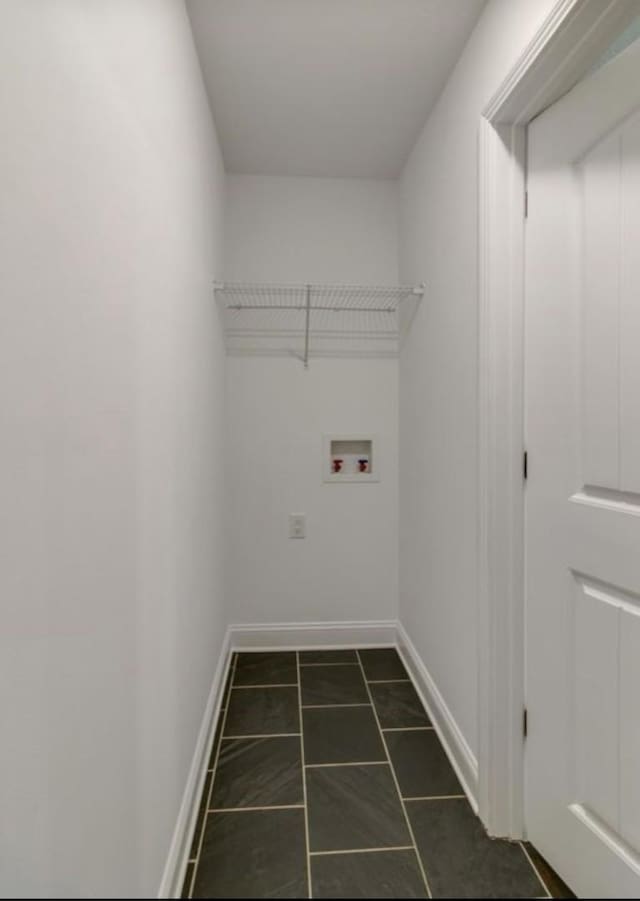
pixel 497 110
pixel 569 41
pixel 312 636
pixel 215 753
pixel 444 723
pixel 178 857
pixel 501 501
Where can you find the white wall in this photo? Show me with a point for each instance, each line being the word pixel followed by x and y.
pixel 111 397
pixel 346 567
pixel 309 229
pixel 438 366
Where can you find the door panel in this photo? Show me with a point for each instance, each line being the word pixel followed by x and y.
pixel 610 187
pixel 630 308
pixel 595 692
pixel 600 191
pixel 630 727
pixel 583 495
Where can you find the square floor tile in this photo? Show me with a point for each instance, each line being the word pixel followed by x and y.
pixel 382 663
pixel 333 685
pixel 258 772
pixel 204 797
pixel 338 656
pixel 341 735
pixel 461 861
pixel 253 854
pixel 257 668
pixel 353 807
pixel 262 711
pixel 397 704
pixel 422 768
pixel 375 874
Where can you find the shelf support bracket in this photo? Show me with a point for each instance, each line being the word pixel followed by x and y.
pixel 307 326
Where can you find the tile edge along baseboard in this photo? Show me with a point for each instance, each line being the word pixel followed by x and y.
pixel 308 636
pixel 178 857
pixel 453 741
pixel 313 636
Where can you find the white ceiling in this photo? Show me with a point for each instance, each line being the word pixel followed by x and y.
pixel 326 87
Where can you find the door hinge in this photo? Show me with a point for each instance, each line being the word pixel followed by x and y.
pixel 526 204
pixel 525 724
pixel 525 465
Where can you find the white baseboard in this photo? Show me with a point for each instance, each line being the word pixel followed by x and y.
pixel 454 742
pixel 276 636
pixel 176 865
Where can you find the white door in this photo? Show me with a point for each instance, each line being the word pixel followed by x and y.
pixel 583 491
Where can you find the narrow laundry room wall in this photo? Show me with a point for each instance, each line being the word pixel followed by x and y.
pixel 111 404
pixel 439 362
pixel 317 230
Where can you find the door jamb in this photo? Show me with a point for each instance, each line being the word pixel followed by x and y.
pixel 570 40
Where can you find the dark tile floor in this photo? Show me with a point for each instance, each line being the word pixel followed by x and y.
pixel 327 780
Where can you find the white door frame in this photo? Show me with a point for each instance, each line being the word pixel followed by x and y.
pixel 573 36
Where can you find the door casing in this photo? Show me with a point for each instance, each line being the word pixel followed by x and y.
pixel 574 35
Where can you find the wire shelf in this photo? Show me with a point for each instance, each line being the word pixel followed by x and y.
pixel 316 319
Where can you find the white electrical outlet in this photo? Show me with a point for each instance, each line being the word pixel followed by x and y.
pixel 297 525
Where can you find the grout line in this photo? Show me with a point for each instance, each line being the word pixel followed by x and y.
pixel 344 663
pixel 266 685
pixel 363 850
pixel 397 784
pixel 383 681
pixel 408 729
pixel 265 735
pixel 435 798
pixel 319 766
pixel 324 706
pixel 230 675
pixel 304 779
pixel 243 809
pixel 536 871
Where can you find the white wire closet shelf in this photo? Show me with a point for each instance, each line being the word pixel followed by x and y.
pixel 312 320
